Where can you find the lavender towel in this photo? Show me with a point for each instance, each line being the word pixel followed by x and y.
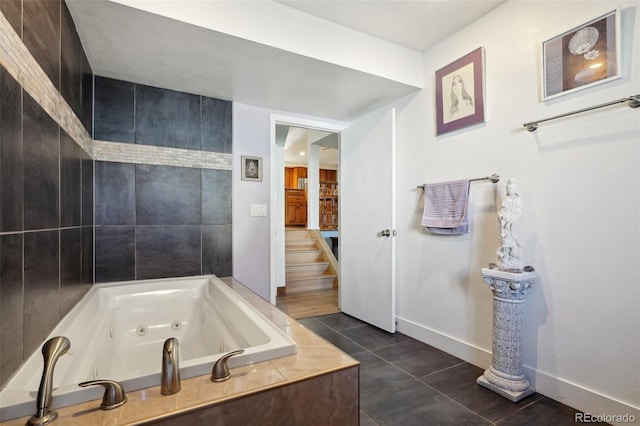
pixel 445 207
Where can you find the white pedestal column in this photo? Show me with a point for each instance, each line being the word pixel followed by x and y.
pixel 506 375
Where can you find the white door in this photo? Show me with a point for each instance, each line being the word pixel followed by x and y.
pixel 367 219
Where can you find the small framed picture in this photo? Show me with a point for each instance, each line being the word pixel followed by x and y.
pixel 460 93
pixel 582 57
pixel 251 168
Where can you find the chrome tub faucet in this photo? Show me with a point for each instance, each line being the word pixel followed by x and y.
pixel 170 380
pixel 52 350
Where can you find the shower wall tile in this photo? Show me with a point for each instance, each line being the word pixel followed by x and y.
pixel 168 195
pixel 10 154
pixel 70 62
pixel 70 181
pixel 114 253
pixel 87 95
pixel 167 118
pixel 41 150
pixel 217 250
pixel 41 287
pixel 72 287
pixel 87 189
pixel 11 304
pixel 167 251
pixel 87 256
pixel 114 193
pixel 41 35
pixel 216 125
pixel 12 10
pixel 216 197
pixel 114 110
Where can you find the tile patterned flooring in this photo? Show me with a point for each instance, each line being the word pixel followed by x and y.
pixel 406 382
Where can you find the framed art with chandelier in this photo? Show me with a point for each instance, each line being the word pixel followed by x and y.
pixel 582 57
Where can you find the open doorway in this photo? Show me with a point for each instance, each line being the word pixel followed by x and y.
pixel 305 217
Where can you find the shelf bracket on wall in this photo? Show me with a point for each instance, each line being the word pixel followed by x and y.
pixel 632 101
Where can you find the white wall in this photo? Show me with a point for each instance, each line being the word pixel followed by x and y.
pixel 580 185
pixel 251 234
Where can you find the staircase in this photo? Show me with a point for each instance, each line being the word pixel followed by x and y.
pixel 307 265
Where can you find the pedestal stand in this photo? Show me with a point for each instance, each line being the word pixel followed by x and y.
pixel 506 375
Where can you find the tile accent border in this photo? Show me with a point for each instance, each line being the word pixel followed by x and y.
pixel 18 61
pixel 160 156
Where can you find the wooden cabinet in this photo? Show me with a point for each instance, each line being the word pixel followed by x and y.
pixel 296 208
pixel 291 176
pixel 328 175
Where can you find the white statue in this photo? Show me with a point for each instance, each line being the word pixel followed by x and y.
pixel 509 216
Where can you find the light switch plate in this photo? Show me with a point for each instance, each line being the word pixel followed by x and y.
pixel 258 209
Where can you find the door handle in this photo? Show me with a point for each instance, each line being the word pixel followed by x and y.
pixel 385 233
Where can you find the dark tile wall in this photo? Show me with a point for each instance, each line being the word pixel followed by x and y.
pixel 46 187
pixel 161 221
pixel 135 113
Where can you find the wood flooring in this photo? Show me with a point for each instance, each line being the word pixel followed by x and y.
pixel 309 303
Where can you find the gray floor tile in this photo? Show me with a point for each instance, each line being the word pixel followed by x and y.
pixel 418 358
pixel 377 375
pixel 373 338
pixel 413 403
pixel 544 411
pixel 345 344
pixel 365 420
pixel 313 324
pixel 459 383
pixel 340 321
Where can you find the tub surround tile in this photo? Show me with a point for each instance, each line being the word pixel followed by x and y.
pixel 114 110
pixel 11 304
pixel 167 118
pixel 217 253
pixel 41 35
pixel 72 287
pixel 70 182
pixel 10 153
pixel 87 256
pixel 86 116
pixel 216 125
pixel 115 253
pixel 41 286
pixel 114 193
pixel 41 152
pixel 167 251
pixel 87 189
pixel 70 62
pixel 317 372
pixel 216 197
pixel 168 195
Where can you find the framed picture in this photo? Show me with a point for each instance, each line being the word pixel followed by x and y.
pixel 582 57
pixel 460 93
pixel 251 168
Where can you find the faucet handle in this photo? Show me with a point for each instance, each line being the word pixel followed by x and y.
pixel 220 371
pixel 114 395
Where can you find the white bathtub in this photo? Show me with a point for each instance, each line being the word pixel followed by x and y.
pixel 117 332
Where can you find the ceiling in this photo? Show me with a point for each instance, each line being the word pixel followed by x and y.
pixel 128 43
pixel 414 24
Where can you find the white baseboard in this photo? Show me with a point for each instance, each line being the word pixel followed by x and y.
pixel 561 390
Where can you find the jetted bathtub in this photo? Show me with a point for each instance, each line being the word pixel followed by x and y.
pixel 117 332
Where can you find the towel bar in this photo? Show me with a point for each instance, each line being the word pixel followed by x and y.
pixel 494 178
